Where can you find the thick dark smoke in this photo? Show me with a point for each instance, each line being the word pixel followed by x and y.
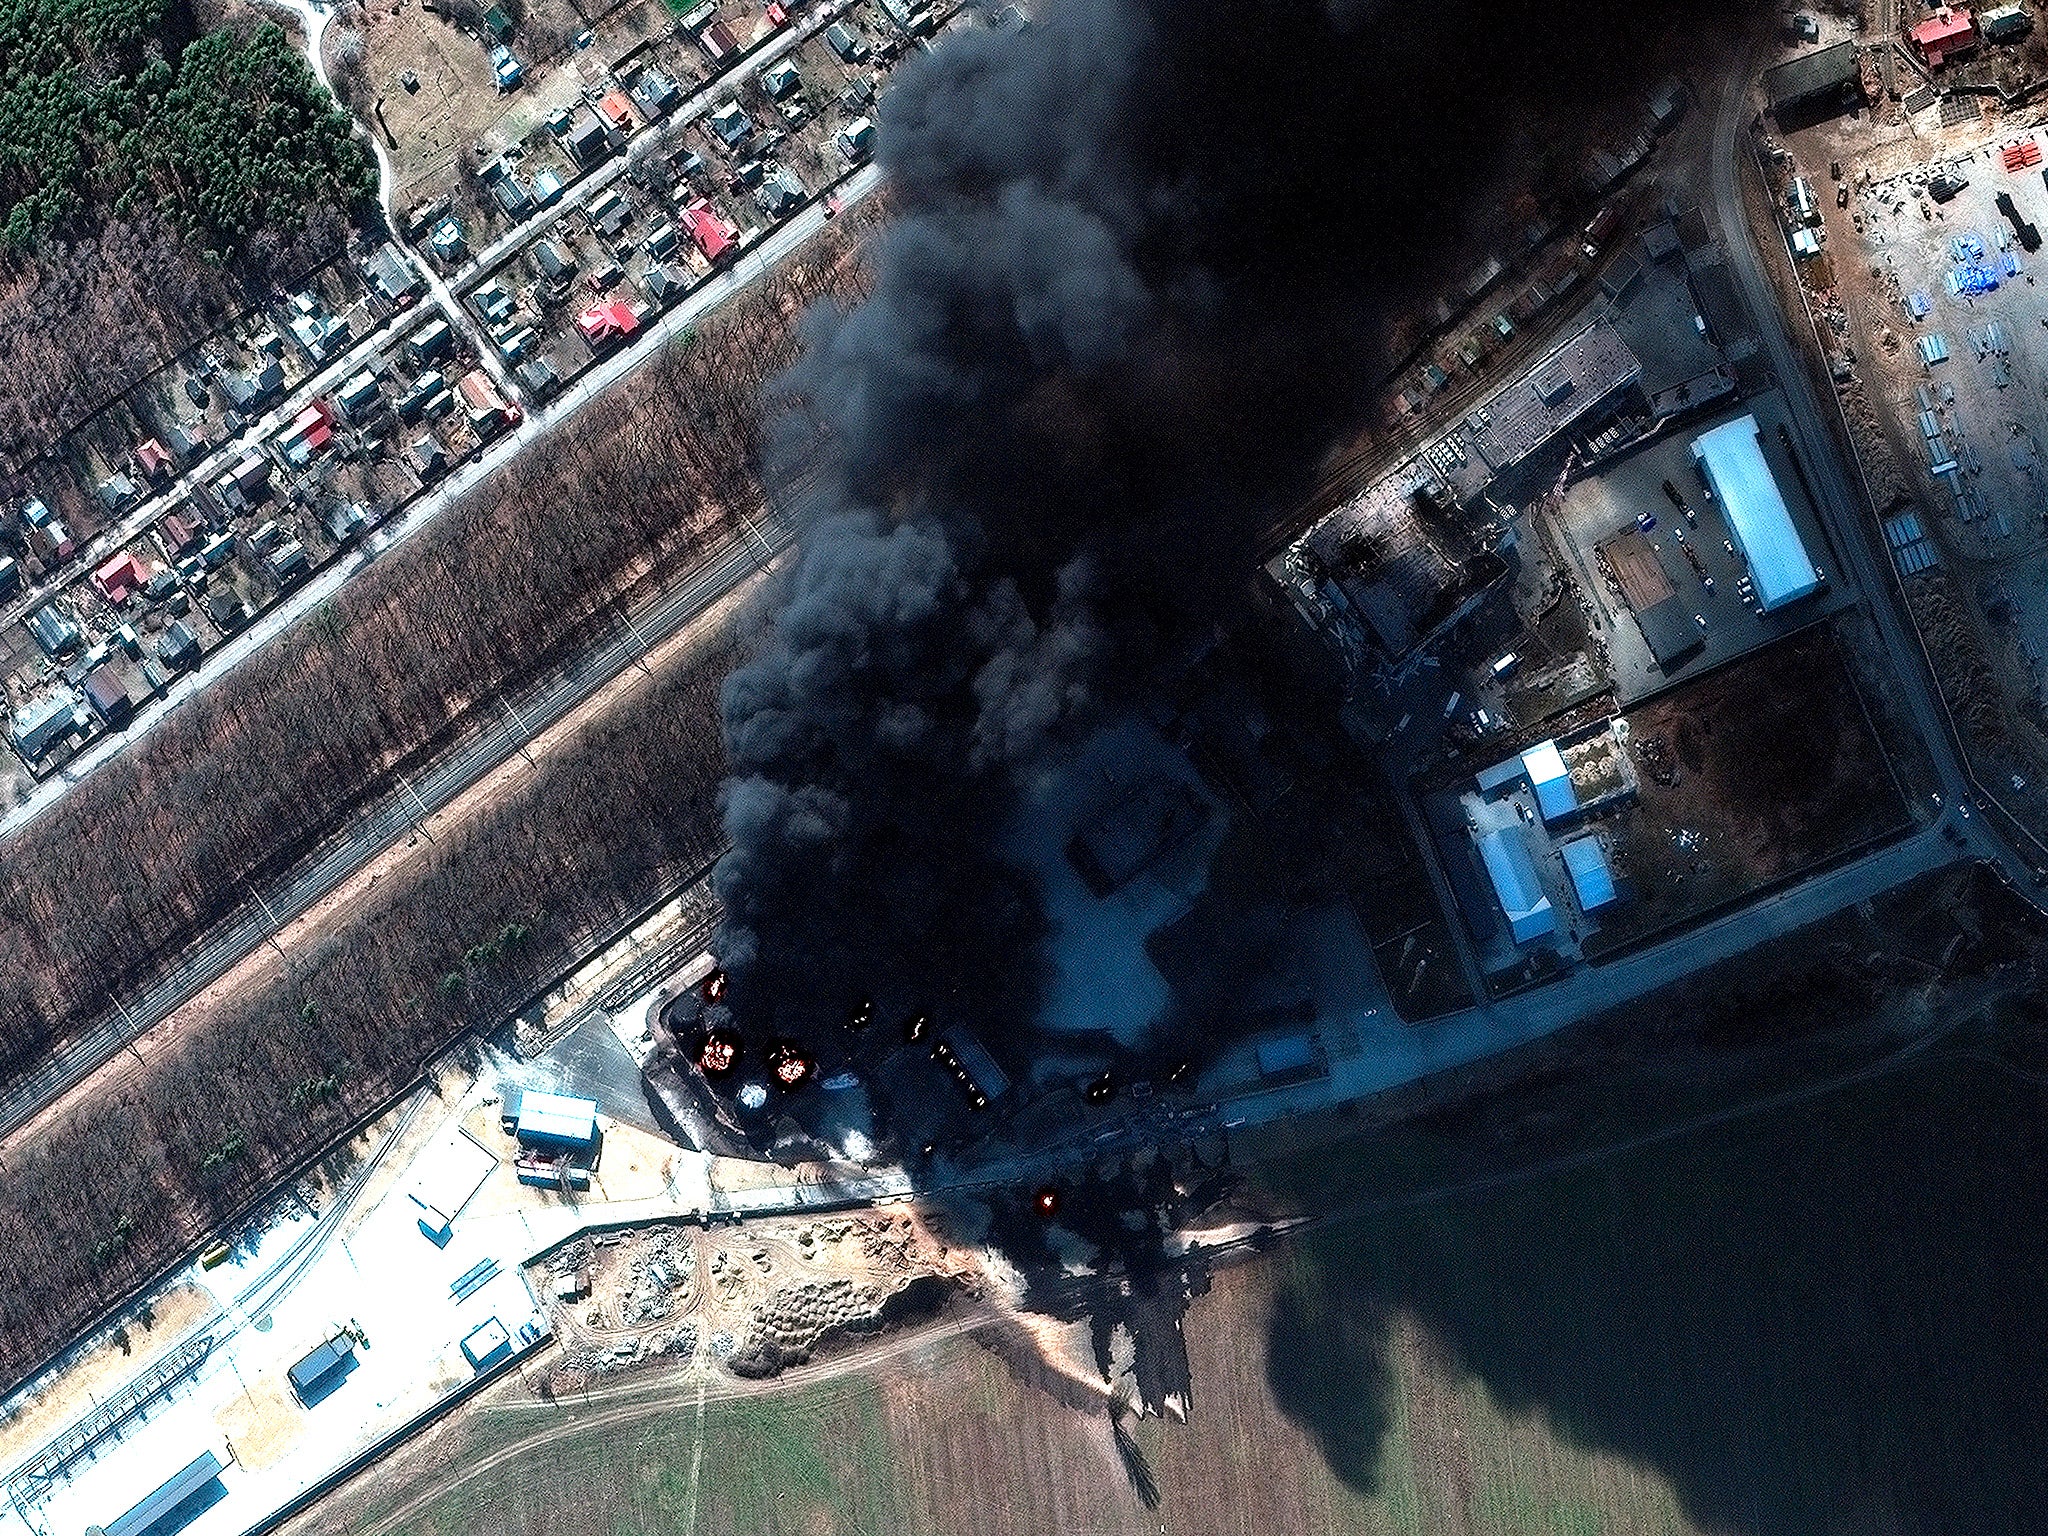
pixel 1135 283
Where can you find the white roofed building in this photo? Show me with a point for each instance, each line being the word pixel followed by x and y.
pixel 1555 797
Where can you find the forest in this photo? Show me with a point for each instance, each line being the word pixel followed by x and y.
pixel 155 180
pixel 112 107
pixel 279 1068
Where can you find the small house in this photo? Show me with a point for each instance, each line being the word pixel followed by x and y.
pixel 430 341
pixel 732 126
pixel 178 648
pixel 585 139
pixel 40 725
pixel 54 630
pixel 856 140
pixel 359 396
pixel 108 696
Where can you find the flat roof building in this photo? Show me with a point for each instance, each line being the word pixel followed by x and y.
pixel 1580 374
pixel 1732 458
pixel 1515 885
pixel 1555 797
pixel 487 1344
pixel 555 1120
pixel 1828 79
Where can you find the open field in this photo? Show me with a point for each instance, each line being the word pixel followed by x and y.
pixel 1762 769
pixel 1808 1316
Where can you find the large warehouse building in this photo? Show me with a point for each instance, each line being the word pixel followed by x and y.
pixel 1732 458
pixel 1515 884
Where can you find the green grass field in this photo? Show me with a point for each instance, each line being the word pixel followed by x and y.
pixel 1821 1319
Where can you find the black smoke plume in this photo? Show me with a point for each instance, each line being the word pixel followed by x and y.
pixel 1136 280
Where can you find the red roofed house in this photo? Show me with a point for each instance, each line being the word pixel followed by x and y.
pixel 155 459
pixel 120 576
pixel 617 111
pixel 311 430
pixel 1944 35
pixel 714 236
pixel 777 16
pixel 603 324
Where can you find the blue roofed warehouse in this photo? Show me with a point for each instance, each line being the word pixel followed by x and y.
pixel 1732 458
pixel 186 1487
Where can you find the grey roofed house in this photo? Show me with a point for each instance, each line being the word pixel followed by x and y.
pixel 846 43
pixel 655 92
pixel 662 285
pixel 538 378
pixel 554 261
pixel 732 125
pixel 510 195
pixel 288 563
pixel 390 276
pixel 227 610
pixel 431 457
pixel 343 520
pixel 178 646
pixel 53 630
pixel 585 138
pixel 780 79
pixel 1814 79
pixel 118 493
pixel 358 396
pixel 40 725
pixel 430 340
pixel 780 194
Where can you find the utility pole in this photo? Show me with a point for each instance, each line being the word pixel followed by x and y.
pixel 262 902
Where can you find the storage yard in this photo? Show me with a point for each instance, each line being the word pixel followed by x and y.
pixel 1927 294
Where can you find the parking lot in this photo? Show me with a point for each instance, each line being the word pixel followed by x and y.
pixel 1600 510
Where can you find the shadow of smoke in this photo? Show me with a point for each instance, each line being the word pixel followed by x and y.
pixel 1136 1467
pixel 1826 1321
